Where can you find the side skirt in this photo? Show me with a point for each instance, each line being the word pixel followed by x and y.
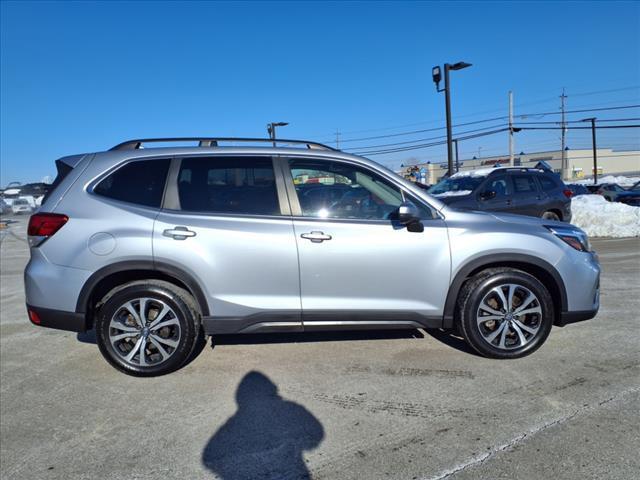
pixel 316 321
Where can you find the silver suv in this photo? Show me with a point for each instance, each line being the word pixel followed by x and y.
pixel 156 248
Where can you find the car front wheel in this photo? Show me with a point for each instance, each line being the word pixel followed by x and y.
pixel 505 313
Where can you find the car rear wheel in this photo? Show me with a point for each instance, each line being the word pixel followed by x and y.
pixel 550 216
pixel 148 328
pixel 505 313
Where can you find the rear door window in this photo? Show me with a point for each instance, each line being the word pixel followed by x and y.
pixel 240 185
pixel 523 184
pixel 140 182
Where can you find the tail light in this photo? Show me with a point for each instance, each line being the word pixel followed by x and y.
pixel 34 317
pixel 567 193
pixel 43 226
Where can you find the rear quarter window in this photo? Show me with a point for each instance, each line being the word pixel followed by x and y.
pixel 139 182
pixel 547 183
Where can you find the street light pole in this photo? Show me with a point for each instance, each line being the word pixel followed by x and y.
pixel 447 101
pixel 437 76
pixel 271 129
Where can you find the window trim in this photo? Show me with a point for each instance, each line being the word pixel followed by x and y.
pixel 91 185
pixel 296 209
pixel 171 201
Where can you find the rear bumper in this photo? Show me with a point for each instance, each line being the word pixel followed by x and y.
pixel 45 317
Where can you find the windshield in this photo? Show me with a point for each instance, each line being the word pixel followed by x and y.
pixel 466 184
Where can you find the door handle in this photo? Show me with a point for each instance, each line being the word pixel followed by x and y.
pixel 179 233
pixel 316 237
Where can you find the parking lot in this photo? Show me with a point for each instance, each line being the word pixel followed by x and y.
pixel 368 405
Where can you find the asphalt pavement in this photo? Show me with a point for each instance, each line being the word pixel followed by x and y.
pixel 369 405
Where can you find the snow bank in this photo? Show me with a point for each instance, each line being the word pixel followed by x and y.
pixel 599 218
pixel 620 180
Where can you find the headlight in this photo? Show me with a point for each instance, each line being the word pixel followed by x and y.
pixel 573 237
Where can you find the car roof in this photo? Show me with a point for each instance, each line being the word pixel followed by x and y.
pixel 485 172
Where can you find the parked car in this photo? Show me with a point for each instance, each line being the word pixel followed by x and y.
pixel 4 207
pixel 577 189
pixel 527 191
pixel 609 191
pixel 21 205
pixel 631 196
pixel 159 247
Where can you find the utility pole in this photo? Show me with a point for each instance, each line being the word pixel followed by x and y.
pixel 595 148
pixel 511 146
pixel 337 139
pixel 455 141
pixel 565 175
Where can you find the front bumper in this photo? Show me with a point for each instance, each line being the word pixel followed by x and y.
pixel 45 317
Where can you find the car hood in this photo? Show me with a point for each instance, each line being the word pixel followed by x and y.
pixel 475 216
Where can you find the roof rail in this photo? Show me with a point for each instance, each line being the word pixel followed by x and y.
pixel 213 142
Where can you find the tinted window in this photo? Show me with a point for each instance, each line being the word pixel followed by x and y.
pixel 244 185
pixel 140 182
pixel 339 190
pixel 498 184
pixel 523 183
pixel 547 183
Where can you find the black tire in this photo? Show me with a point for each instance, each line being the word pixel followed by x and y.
pixel 474 292
pixel 549 215
pixel 184 311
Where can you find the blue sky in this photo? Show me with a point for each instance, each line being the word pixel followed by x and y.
pixel 83 76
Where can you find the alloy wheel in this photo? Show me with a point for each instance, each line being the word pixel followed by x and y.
pixel 144 332
pixel 509 316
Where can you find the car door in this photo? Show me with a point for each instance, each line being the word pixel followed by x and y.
pixel 496 193
pixel 226 222
pixel 359 268
pixel 526 196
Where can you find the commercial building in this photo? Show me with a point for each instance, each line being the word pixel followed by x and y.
pixel 579 164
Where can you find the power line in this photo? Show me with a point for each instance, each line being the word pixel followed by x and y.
pixel 416 147
pixel 580 128
pixel 425 139
pixel 505 117
pixel 365 151
pixel 620 107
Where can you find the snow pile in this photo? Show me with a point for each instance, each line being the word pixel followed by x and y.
pixel 478 172
pixel 620 180
pixel 452 193
pixel 599 218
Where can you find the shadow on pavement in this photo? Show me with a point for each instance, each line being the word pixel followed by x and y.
pixel 305 337
pixel 452 340
pixel 265 438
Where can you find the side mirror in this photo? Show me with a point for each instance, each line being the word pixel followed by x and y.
pixel 487 195
pixel 407 213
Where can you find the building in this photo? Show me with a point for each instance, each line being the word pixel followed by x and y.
pixel 579 164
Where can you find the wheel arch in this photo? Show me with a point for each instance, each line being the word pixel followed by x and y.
pixel 542 270
pixel 109 277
